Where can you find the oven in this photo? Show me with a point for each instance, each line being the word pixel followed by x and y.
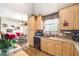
pixel 37 40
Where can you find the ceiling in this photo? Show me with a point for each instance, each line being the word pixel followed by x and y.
pixel 22 9
pixel 35 8
pixel 19 11
pixel 47 8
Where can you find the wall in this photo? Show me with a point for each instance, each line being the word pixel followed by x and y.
pixel 47 8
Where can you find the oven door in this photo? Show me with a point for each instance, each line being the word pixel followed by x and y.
pixel 37 43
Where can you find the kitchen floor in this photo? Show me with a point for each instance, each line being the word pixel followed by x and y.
pixel 30 51
pixel 34 52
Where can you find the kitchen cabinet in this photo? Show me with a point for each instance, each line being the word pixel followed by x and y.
pixel 43 45
pixel 58 48
pixel 31 36
pixel 32 23
pixel 54 47
pixel 66 19
pixel 69 18
pixel 51 47
pixel 67 49
pixel 31 30
pixel 76 16
pixel 39 22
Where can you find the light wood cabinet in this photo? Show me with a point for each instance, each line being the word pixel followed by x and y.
pixel 58 48
pixel 76 16
pixel 31 30
pixel 69 18
pixel 39 22
pixel 32 23
pixel 66 19
pixel 51 47
pixel 67 49
pixel 43 45
pixel 31 40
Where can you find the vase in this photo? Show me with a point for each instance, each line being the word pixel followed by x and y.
pixel 4 52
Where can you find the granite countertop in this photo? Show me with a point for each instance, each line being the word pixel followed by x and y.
pixel 76 44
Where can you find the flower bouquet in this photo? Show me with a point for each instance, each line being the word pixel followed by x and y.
pixel 6 41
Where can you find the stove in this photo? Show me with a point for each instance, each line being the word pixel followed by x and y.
pixel 37 39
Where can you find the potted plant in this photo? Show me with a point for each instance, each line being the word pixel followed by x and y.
pixel 6 41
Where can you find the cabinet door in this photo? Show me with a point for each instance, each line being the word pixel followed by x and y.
pixel 31 40
pixel 67 49
pixel 58 48
pixel 31 29
pixel 76 17
pixel 66 19
pixel 51 47
pixel 43 45
pixel 39 22
pixel 32 23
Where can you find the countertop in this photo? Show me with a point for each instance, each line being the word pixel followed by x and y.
pixel 76 44
pixel 18 51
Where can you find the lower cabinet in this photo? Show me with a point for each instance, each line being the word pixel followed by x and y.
pixel 43 45
pixel 67 49
pixel 51 47
pixel 58 48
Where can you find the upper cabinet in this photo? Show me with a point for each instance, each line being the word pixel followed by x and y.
pixel 32 23
pixel 35 22
pixel 69 18
pixel 39 22
pixel 76 16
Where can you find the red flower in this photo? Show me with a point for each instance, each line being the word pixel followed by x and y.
pixel 10 36
pixel 18 33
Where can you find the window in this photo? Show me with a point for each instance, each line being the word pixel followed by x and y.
pixel 51 26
